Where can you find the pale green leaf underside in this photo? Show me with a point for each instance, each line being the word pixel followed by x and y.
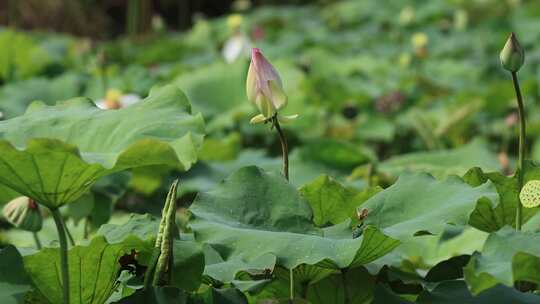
pixel 419 204
pixel 93 270
pixel 507 256
pixel 14 282
pixel 492 215
pixel 55 153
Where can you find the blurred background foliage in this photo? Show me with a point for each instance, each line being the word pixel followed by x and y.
pixel 105 19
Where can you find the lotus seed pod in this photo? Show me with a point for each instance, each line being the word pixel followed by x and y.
pixel 23 213
pixel 530 194
pixel 512 55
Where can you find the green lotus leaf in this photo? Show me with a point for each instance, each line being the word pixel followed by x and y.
pixel 14 282
pixel 492 217
pixel 173 295
pixel 54 154
pixel 418 204
pixel 330 286
pixel 143 226
pixel 508 256
pixel 215 89
pixel 254 213
pixel 450 292
pixel 332 202
pixel 16 96
pixel 384 295
pixel 93 269
pixel 338 287
pixel 223 270
pixel 442 163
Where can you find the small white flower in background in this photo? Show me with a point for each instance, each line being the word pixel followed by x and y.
pixel 158 25
pixel 236 47
pixel 115 99
pixel 265 89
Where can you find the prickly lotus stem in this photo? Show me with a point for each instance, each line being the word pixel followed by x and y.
pixel 23 213
pixel 165 238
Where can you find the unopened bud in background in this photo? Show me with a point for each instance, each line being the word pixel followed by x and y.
pixel 23 213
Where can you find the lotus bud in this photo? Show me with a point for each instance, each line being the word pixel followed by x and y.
pixel 530 194
pixel 23 213
pixel 512 55
pixel 264 88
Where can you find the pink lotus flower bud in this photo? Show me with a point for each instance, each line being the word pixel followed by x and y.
pixel 264 87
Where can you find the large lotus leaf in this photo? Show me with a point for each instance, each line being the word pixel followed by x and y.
pixel 421 252
pixel 253 213
pixel 418 204
pixel 93 269
pixel 14 282
pixel 444 162
pixel 508 256
pixel 53 154
pixel 451 292
pixel 490 217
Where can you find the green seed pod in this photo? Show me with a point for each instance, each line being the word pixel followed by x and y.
pixel 23 213
pixel 512 55
pixel 165 239
pixel 530 194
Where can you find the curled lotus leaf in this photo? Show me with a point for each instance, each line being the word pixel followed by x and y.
pixel 54 154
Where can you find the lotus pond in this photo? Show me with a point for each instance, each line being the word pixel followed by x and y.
pixel 339 152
